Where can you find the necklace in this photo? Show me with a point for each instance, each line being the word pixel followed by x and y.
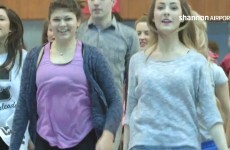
pixel 60 53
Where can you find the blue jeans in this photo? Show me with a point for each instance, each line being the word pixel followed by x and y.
pixel 143 147
pixel 209 145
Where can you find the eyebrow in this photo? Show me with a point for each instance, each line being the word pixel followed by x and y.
pixel 67 16
pixel 173 3
pixel 169 3
pixel 62 16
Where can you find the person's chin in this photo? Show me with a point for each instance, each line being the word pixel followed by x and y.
pixel 97 16
pixel 167 31
pixel 65 38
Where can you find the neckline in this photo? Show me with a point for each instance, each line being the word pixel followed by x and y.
pixel 170 61
pixel 61 64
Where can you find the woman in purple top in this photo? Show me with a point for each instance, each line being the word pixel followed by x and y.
pixel 76 102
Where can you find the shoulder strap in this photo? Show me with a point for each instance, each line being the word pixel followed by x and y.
pixel 40 56
pixel 82 49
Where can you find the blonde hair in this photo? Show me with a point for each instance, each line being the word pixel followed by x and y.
pixel 192 33
pixel 143 18
pixel 201 35
pixel 203 47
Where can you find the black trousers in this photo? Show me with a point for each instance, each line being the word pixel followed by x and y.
pixel 88 143
pixel 3 145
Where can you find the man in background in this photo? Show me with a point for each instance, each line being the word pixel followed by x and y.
pixel 115 40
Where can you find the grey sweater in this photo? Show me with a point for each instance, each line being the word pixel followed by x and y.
pixel 162 101
pixel 105 98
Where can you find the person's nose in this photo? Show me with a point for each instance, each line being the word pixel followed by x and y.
pixel 142 36
pixel 62 22
pixel 96 2
pixel 166 11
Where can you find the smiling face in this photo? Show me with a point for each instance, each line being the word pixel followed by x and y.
pixel 166 15
pixel 4 25
pixel 63 24
pixel 143 33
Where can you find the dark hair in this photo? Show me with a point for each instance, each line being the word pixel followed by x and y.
pixel 213 47
pixel 44 33
pixel 14 42
pixel 81 3
pixel 117 16
pixel 70 5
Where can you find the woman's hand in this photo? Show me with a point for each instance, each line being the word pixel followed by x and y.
pixel 106 141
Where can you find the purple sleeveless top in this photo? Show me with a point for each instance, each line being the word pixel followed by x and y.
pixel 63 102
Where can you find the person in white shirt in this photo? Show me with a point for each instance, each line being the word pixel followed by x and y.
pixel 12 56
pixel 219 83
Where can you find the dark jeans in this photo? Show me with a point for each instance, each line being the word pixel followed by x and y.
pixel 209 145
pixel 3 145
pixel 88 143
pixel 143 147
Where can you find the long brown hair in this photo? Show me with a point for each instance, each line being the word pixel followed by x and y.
pixel 44 32
pixel 189 30
pixel 14 42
